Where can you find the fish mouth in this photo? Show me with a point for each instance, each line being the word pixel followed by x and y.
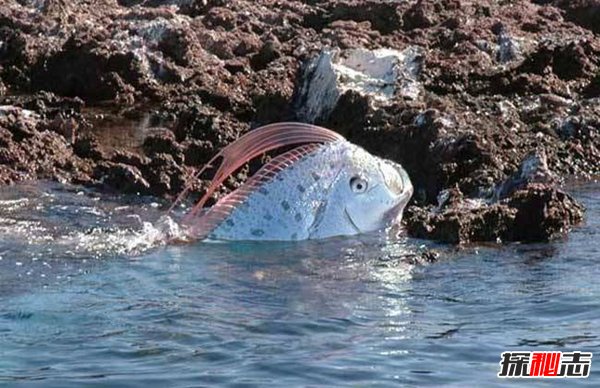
pixel 390 172
pixel 352 223
pixel 394 215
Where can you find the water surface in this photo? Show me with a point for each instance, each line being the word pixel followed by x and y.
pixel 89 296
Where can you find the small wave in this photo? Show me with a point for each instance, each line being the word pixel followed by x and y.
pixel 131 242
pixel 62 221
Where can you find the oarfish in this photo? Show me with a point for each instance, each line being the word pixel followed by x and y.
pixel 324 187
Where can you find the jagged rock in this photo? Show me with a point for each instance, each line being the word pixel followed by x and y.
pixel 162 140
pixel 122 177
pixel 536 212
pixel 533 169
pixel 378 74
pixel 89 147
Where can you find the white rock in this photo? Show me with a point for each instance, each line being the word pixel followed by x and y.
pixel 380 74
pixel 5 110
pixel 509 48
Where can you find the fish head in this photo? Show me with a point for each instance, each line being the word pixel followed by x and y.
pixel 370 192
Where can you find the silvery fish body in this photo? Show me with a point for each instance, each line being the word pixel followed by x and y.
pixel 328 190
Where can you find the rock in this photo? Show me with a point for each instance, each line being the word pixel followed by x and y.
pixel 89 147
pixel 220 17
pixel 421 14
pixel 198 152
pixel 162 140
pixel 525 207
pixel 583 12
pixel 462 225
pixel 128 157
pixel 164 175
pixel 375 74
pixel 122 177
pixel 382 16
pixel 203 123
pixel 543 213
pixel 268 53
pixel 537 212
pixel 509 48
pixel 533 169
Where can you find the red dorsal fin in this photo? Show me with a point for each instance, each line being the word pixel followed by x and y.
pixel 206 222
pixel 253 144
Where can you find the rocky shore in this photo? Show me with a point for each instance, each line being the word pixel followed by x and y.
pixel 490 105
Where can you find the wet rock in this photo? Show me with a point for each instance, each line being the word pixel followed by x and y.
pixel 165 176
pixel 462 225
pixel 543 213
pixel 122 177
pixel 536 212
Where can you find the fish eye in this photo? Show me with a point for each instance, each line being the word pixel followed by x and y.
pixel 358 184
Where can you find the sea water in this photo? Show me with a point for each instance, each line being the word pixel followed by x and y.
pixel 91 296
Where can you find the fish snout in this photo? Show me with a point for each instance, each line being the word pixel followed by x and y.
pixel 408 187
pixel 396 179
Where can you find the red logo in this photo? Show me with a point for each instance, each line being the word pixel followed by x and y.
pixel 545 365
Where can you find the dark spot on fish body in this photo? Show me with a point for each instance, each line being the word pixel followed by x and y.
pixel 301 188
pixel 285 205
pixel 263 191
pixel 331 166
pixel 294 236
pixel 268 217
pixel 229 222
pixel 298 217
pixel 315 176
pixel 257 232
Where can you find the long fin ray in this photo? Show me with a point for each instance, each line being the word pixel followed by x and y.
pixel 253 144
